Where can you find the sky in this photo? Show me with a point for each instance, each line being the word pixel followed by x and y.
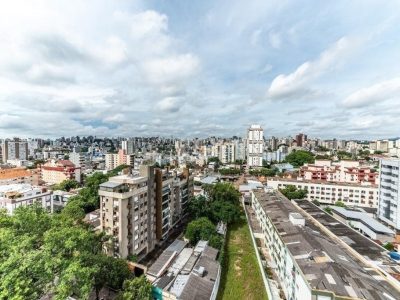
pixel 200 68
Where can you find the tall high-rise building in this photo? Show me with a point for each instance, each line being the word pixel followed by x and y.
pixel 128 146
pixel 301 138
pixel 389 192
pixel 255 146
pixel 227 154
pixel 15 149
pixel 140 209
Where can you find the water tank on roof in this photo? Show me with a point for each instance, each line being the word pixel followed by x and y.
pixel 394 255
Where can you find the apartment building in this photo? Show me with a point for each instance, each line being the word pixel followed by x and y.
pixel 78 158
pixel 312 263
pixel 14 149
pixel 128 146
pixel 342 171
pixel 227 153
pixel 113 160
pixel 13 196
pixel 255 146
pixel 54 172
pixel 141 208
pixel 389 192
pixel 363 195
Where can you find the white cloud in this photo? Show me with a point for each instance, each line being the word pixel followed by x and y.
pixel 297 83
pixel 171 69
pixel 376 93
pixel 170 104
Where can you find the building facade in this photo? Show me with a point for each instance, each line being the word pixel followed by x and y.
pixel 113 160
pixel 310 263
pixel 14 150
pixel 389 192
pixel 55 172
pixel 255 146
pixel 140 209
pixel 13 196
pixel 343 171
pixel 329 192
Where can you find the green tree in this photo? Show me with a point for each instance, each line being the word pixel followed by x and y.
pixel 42 253
pixel 198 206
pixel 291 192
pixel 67 185
pixel 264 172
pixel 138 288
pixel 299 157
pixel 225 211
pixel 389 246
pixel 340 204
pixel 200 229
pixel 224 192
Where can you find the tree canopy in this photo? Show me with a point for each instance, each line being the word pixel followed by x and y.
pixel 299 157
pixel 43 253
pixel 291 192
pixel 138 288
pixel 264 172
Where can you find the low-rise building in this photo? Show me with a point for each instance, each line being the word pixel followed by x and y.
pixel 55 172
pixel 59 200
pixel 363 195
pixel 362 222
pixel 13 196
pixel 343 171
pixel 186 273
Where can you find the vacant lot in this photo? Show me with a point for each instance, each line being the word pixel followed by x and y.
pixel 241 276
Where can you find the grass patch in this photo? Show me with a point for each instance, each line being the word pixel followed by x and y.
pixel 241 276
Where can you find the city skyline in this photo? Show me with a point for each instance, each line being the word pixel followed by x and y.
pixel 153 68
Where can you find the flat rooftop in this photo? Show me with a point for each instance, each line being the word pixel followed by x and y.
pixel 325 264
pixel 363 245
pixel 336 183
pixel 364 218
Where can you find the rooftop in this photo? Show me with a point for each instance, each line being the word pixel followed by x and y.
pixel 326 264
pixel 364 218
pixel 363 184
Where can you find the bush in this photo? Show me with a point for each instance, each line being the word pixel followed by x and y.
pixel 291 192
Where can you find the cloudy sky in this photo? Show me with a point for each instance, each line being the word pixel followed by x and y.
pixel 140 68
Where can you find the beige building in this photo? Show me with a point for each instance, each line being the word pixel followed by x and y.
pixel 113 160
pixel 55 172
pixel 140 209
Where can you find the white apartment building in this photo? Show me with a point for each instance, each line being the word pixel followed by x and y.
pixel 363 195
pixel 389 192
pixel 13 196
pixel 227 154
pixel 309 263
pixel 128 146
pixel 255 146
pixel 78 159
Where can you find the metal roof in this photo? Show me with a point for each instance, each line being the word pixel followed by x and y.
pixel 363 218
